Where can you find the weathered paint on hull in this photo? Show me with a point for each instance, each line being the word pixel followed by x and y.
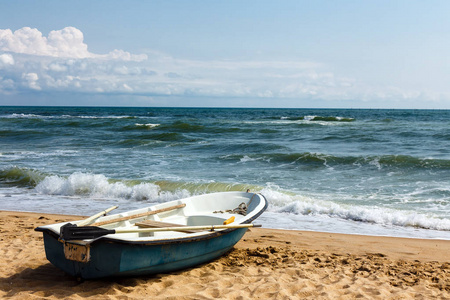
pixel 109 258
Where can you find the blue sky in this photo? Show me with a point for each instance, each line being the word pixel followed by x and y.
pixel 345 54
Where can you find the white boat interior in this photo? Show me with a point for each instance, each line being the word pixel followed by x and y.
pixel 207 209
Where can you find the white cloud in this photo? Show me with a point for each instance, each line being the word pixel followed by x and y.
pixel 30 80
pixel 127 87
pixel 6 59
pixel 6 85
pixel 122 70
pixel 61 62
pixel 68 42
pixel 123 55
pixel 57 67
pixel 65 43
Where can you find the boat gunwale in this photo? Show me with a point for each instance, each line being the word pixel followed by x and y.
pixel 207 235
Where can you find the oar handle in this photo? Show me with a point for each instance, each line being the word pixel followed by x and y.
pixel 152 212
pixel 92 218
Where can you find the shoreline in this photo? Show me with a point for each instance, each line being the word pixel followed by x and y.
pixel 266 263
pixel 81 216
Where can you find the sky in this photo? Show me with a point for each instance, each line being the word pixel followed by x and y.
pixel 285 53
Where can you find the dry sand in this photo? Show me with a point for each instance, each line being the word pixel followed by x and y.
pixel 265 264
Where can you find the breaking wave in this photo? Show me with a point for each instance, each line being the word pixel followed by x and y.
pixel 21 177
pixel 319 118
pixel 98 186
pixel 301 205
pixel 309 158
pixel 38 116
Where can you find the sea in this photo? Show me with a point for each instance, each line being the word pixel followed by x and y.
pixel 372 171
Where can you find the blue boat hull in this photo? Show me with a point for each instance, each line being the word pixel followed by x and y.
pixel 110 257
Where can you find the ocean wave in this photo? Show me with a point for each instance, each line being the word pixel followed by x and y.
pixel 197 188
pixel 21 177
pixel 38 116
pixel 313 118
pixel 22 133
pixel 25 116
pixel 98 186
pixel 183 127
pixel 139 126
pixel 288 118
pixel 187 127
pixel 148 125
pixel 106 117
pixel 320 159
pixel 379 216
pixel 328 119
pixel 302 205
pixel 17 155
pixel 162 136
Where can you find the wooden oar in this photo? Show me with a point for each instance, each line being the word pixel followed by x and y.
pixel 152 212
pixel 72 232
pixel 92 218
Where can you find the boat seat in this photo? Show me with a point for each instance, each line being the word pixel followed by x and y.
pixel 159 224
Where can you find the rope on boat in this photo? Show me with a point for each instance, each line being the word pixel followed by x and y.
pixel 241 210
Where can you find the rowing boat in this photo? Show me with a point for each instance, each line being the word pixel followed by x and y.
pixel 157 239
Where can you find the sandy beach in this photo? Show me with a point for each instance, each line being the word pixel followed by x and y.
pixel 265 264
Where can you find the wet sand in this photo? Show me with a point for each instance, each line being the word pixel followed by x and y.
pixel 265 264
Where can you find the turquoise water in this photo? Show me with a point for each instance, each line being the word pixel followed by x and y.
pixel 384 172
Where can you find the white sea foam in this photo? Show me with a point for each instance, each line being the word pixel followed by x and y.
pixel 302 205
pixel 33 116
pixel 149 125
pixel 104 117
pixel 281 202
pixel 246 158
pixel 309 118
pixel 36 116
pixel 10 156
pixel 23 116
pixel 98 186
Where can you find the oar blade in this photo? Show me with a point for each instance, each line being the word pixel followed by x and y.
pixel 73 232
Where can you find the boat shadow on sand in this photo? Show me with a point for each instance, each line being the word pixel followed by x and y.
pixel 47 281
